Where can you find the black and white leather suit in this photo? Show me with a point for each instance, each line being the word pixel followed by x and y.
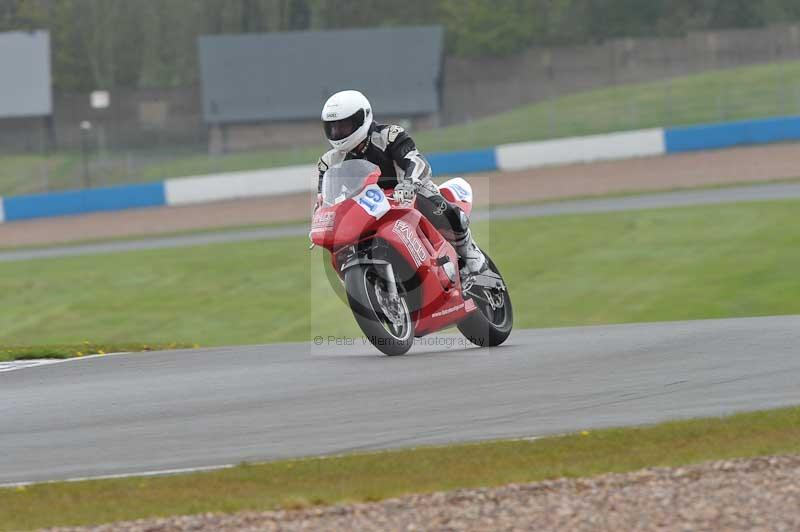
pixel 391 149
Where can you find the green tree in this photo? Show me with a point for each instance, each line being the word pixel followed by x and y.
pixel 152 43
pixel 480 27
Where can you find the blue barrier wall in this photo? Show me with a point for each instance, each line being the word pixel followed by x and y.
pixel 463 162
pixel 715 136
pixel 83 201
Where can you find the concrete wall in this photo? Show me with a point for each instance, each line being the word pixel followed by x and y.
pixel 606 147
pixel 141 118
pixel 476 87
pixel 471 88
pixel 136 119
pixel 242 137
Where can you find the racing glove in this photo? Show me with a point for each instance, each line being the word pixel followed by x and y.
pixel 406 189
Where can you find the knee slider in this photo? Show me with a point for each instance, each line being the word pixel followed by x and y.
pixel 458 220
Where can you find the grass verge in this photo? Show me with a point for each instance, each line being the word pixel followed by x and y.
pixel 79 350
pixel 711 261
pixel 376 476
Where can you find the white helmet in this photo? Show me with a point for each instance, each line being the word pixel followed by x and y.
pixel 346 116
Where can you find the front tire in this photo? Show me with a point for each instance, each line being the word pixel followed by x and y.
pixel 387 324
pixel 491 323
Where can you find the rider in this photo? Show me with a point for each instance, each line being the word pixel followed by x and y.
pixel 353 134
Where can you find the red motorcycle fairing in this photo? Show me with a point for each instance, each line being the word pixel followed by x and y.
pixel 340 225
pixel 344 223
pixel 370 216
pixel 459 192
pixel 413 237
pixel 441 302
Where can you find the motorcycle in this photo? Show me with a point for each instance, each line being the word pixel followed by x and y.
pixel 401 276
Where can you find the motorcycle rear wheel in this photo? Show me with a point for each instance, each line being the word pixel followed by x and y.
pixel 489 325
pixel 387 325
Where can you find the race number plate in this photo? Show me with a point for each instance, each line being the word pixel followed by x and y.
pixel 373 201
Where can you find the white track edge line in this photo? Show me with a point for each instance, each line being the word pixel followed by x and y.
pixel 201 469
pixel 154 473
pixel 53 362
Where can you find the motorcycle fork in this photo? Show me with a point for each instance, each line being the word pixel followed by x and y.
pixel 384 268
pixel 391 284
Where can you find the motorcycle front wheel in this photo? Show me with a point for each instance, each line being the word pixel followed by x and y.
pixel 385 321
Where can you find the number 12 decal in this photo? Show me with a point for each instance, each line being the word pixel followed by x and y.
pixel 373 201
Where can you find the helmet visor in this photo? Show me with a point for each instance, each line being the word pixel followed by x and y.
pixel 341 129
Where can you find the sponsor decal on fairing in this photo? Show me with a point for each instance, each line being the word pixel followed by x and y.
pixel 450 310
pixel 323 221
pixel 460 192
pixel 411 241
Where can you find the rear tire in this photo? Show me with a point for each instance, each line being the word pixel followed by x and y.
pixel 487 326
pixel 367 295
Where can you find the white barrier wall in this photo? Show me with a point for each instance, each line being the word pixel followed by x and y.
pixel 294 179
pixel 581 149
pixel 235 185
pixel 2 212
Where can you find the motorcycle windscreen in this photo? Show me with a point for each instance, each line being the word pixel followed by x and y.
pixel 345 180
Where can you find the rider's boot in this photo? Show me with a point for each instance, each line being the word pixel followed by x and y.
pixel 473 258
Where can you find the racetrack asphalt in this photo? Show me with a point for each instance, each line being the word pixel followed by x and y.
pixel 135 413
pixel 584 206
